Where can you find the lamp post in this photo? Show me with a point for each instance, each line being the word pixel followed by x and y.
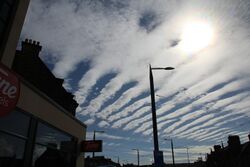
pixel 158 155
pixel 118 159
pixel 96 131
pixel 172 148
pixel 138 156
pixel 188 157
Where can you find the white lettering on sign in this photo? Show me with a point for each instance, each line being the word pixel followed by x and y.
pixel 7 89
pixel 4 102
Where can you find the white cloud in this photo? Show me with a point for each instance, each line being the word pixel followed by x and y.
pixel 111 39
pixel 137 114
pixel 89 121
pixel 137 122
pixel 103 124
pixel 126 110
pixel 114 137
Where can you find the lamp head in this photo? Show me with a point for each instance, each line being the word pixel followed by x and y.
pixel 169 68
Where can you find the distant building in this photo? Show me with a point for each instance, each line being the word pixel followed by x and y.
pixel 100 161
pixel 233 155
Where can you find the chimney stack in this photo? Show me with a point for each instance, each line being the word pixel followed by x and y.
pixel 30 47
pixel 217 148
pixel 233 141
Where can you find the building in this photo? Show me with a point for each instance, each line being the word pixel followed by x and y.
pixel 100 161
pixel 37 123
pixel 233 155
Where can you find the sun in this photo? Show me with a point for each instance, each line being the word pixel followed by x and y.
pixel 196 36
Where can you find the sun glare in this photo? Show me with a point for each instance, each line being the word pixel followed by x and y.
pixel 196 36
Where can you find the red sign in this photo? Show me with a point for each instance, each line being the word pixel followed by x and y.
pixel 91 146
pixel 9 90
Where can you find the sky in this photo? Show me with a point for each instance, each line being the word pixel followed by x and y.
pixel 102 49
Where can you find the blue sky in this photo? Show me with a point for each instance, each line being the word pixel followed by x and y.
pixel 103 48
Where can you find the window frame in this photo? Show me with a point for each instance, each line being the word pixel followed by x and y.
pixel 30 139
pixel 19 136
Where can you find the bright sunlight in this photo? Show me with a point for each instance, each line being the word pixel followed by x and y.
pixel 196 36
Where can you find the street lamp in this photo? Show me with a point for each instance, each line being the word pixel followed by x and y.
pixel 158 155
pixel 188 156
pixel 138 156
pixel 172 148
pixel 118 159
pixel 96 131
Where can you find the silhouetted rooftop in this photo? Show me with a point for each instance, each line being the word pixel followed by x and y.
pixel 28 64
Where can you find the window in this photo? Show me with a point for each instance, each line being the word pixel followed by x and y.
pixel 45 145
pixel 53 147
pixel 11 151
pixel 48 135
pixel 13 137
pixel 16 122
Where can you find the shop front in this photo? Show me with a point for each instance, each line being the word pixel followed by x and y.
pixel 37 127
pixel 29 141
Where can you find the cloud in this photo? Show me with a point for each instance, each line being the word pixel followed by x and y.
pixel 135 123
pixel 107 136
pixel 200 100
pixel 89 121
pixel 112 144
pixel 104 135
pixel 136 114
pixel 103 124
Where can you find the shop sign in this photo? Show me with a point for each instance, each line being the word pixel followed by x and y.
pixel 91 146
pixel 9 90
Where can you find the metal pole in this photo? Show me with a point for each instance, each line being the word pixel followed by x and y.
pixel 158 155
pixel 154 121
pixel 93 154
pixel 172 147
pixel 188 157
pixel 138 157
pixel 222 145
pixel 118 159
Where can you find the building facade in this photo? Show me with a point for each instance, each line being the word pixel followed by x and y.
pixel 38 128
pixel 234 154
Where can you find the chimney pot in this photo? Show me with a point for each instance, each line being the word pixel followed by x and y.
pixel 233 141
pixel 30 47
